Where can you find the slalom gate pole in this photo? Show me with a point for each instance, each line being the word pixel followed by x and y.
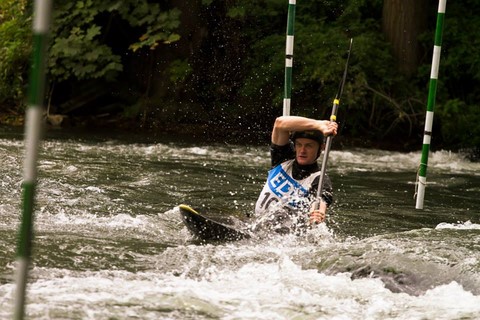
pixel 333 117
pixel 289 57
pixel 432 91
pixel 33 124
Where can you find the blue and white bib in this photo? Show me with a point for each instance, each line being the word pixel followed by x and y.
pixel 281 188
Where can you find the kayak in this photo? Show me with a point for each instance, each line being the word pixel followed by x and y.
pixel 205 228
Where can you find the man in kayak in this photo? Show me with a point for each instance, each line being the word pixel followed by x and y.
pixel 292 182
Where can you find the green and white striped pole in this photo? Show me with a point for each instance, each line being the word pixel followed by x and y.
pixel 432 91
pixel 33 125
pixel 289 57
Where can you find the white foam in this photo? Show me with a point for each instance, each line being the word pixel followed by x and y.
pixel 467 225
pixel 280 289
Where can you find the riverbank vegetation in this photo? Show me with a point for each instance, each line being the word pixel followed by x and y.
pixel 218 66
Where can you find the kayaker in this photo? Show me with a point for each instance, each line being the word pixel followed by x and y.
pixel 292 182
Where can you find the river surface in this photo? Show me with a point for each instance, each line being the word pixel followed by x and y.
pixel 109 242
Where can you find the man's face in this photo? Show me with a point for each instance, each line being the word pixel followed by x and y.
pixel 306 150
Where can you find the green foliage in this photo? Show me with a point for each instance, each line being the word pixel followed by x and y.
pixel 459 111
pixel 230 62
pixel 80 50
pixel 459 66
pixel 378 102
pixel 236 12
pixel 322 33
pixel 179 70
pixel 160 24
pixel 81 56
pixel 459 124
pixel 15 48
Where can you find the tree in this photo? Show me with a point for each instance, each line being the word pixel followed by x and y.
pixel 15 39
pixel 402 22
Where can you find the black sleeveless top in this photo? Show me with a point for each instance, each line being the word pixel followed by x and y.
pixel 281 154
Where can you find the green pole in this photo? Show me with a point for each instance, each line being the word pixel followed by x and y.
pixel 432 91
pixel 33 124
pixel 289 57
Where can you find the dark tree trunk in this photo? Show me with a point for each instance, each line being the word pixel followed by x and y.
pixel 402 22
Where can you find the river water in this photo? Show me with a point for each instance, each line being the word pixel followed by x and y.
pixel 109 242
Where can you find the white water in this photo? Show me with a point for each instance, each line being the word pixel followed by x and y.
pixel 109 243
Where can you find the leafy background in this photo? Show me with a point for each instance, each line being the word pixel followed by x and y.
pixel 216 68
